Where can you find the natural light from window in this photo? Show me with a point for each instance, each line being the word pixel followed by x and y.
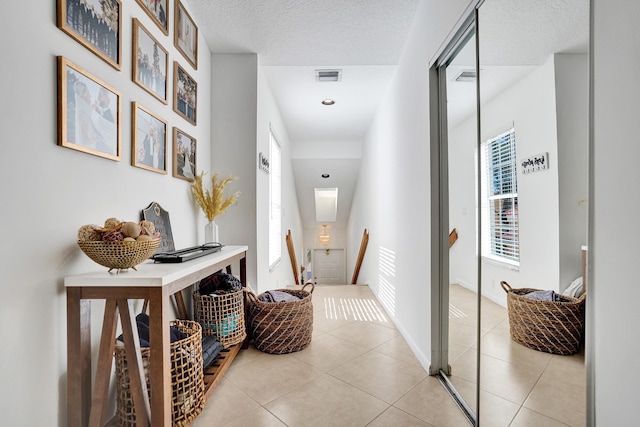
pixel 455 312
pixel 386 279
pixel 358 309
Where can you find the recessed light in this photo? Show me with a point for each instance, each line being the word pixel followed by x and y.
pixel 325 175
pixel 328 102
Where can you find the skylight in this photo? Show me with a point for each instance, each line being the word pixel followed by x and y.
pixel 326 204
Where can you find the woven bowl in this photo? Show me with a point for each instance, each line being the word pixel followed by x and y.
pixel 120 255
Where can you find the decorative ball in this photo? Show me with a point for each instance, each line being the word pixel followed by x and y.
pixel 89 232
pixel 112 236
pixel 144 237
pixel 131 229
pixel 112 223
pixel 147 228
pixel 128 239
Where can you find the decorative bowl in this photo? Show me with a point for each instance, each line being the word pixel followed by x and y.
pixel 121 254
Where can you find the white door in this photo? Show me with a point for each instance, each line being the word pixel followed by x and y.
pixel 329 267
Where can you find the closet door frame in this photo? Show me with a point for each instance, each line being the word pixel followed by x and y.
pixel 440 366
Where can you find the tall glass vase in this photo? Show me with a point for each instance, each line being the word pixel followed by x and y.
pixel 211 232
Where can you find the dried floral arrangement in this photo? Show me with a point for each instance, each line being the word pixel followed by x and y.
pixel 213 203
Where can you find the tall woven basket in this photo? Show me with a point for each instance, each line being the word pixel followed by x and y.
pixel 555 327
pixel 282 327
pixel 187 382
pixel 221 315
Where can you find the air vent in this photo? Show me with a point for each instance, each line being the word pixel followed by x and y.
pixel 328 75
pixel 466 76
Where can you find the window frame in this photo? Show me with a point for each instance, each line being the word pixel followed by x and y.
pixel 502 166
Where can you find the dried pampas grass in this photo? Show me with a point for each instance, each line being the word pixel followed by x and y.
pixel 213 203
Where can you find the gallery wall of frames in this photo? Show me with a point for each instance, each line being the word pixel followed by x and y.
pixel 90 111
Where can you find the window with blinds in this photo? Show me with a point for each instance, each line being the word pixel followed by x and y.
pixel 275 201
pixel 499 192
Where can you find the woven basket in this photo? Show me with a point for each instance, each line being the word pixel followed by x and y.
pixel 187 382
pixel 282 327
pixel 120 255
pixel 555 327
pixel 221 315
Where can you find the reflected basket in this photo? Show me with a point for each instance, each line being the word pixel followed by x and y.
pixel 119 255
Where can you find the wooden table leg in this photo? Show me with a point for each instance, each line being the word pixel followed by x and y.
pixel 243 271
pixel 243 280
pixel 78 359
pixel 159 362
pixel 103 369
pixel 137 380
pixel 182 308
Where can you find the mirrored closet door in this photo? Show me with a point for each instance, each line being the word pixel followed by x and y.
pixel 523 226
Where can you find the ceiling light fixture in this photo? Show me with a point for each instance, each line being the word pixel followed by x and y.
pixel 324 237
pixel 328 102
pixel 325 175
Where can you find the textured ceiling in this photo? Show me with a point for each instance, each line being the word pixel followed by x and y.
pixel 365 38
pixel 299 97
pixel 309 32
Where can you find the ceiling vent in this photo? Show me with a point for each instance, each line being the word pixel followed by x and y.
pixel 466 76
pixel 328 75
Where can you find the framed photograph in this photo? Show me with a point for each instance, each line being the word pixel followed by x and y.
pixel 185 35
pixel 150 62
pixel 96 24
pixel 148 140
pixel 184 155
pixel 185 93
pixel 88 112
pixel 158 11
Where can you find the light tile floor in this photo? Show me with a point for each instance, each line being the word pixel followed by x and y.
pixel 358 371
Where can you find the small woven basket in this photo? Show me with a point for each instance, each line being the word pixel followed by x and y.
pixel 221 315
pixel 119 255
pixel 555 327
pixel 187 381
pixel 282 327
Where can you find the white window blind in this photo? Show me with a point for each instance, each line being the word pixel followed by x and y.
pixel 275 201
pixel 499 192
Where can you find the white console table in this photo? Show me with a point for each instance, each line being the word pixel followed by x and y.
pixel 155 283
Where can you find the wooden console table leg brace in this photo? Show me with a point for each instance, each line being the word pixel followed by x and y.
pixel 154 282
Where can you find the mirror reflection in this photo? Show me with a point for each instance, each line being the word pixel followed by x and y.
pixel 532 172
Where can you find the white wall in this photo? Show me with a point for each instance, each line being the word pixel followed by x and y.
pixel 572 110
pixel 268 115
pixel 243 112
pixel 234 96
pixel 395 206
pixel 49 191
pixel 613 291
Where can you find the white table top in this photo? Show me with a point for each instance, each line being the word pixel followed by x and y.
pixel 151 274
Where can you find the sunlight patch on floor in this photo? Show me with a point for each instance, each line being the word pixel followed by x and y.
pixel 359 309
pixel 455 312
